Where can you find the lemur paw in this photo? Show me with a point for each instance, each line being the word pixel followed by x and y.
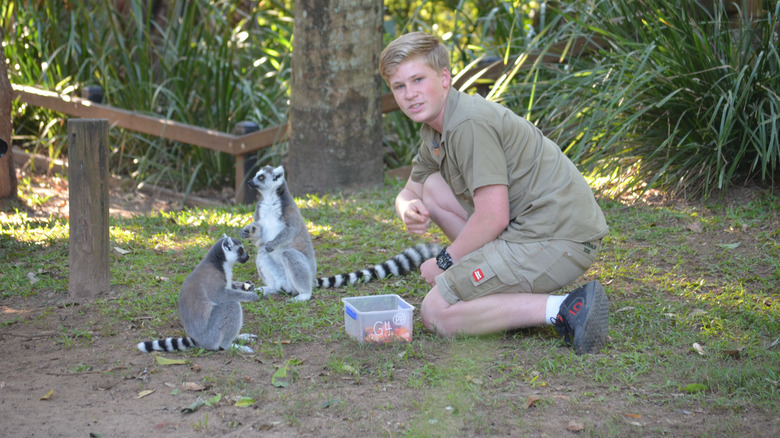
pixel 244 286
pixel 251 231
pixel 301 297
pixel 242 348
pixel 266 291
pixel 246 337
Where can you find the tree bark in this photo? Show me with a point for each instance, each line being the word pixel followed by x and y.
pixel 335 105
pixel 7 172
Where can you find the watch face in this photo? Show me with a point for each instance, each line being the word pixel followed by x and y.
pixel 443 260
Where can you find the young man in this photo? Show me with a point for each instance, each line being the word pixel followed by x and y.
pixel 521 219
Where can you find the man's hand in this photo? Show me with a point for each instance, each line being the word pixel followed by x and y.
pixel 430 270
pixel 415 216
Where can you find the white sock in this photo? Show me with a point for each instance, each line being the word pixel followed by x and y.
pixel 553 306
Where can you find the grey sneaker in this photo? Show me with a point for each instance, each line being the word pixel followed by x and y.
pixel 583 318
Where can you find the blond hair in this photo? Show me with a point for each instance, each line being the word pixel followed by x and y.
pixel 414 45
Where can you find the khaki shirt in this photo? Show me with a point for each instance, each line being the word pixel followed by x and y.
pixel 485 143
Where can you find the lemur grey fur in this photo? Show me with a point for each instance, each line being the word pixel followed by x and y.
pixel 285 257
pixel 210 302
pixel 285 260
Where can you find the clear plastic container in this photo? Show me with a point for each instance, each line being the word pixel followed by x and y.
pixel 378 319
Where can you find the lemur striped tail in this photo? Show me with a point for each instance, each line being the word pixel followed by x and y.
pixel 167 344
pixel 404 263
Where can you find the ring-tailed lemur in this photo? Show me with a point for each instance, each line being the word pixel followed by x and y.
pixel 285 261
pixel 210 302
pixel 285 257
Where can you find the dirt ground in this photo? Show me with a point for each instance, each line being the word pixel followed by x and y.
pixel 46 390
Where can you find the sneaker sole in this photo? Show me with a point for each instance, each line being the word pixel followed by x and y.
pixel 594 336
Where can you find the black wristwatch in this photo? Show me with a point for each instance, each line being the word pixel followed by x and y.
pixel 443 260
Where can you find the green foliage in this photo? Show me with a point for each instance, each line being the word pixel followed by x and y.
pixel 209 64
pixel 680 98
pixel 676 97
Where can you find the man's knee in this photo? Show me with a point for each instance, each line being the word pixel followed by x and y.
pixel 432 312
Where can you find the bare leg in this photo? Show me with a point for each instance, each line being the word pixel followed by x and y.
pixel 489 314
pixel 445 210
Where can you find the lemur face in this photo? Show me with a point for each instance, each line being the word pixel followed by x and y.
pixel 267 178
pixel 234 251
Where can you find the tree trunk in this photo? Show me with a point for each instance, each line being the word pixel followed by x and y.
pixel 7 172
pixel 335 106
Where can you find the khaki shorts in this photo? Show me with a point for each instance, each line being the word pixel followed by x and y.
pixel 502 267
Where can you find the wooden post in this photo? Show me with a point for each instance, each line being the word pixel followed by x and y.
pixel 88 198
pixel 245 166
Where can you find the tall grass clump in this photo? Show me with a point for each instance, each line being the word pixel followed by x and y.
pixel 207 63
pixel 670 95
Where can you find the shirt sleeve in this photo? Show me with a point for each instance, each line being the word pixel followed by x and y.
pixel 423 164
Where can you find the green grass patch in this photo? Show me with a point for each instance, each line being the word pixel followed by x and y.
pixel 694 321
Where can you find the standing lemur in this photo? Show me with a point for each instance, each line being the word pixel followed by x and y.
pixel 210 302
pixel 285 259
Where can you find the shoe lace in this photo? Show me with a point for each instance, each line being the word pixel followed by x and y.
pixel 562 327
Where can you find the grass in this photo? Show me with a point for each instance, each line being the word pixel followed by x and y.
pixel 670 288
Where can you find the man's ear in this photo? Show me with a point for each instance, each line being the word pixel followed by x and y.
pixel 446 78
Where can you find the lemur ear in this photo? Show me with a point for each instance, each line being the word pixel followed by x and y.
pixel 227 243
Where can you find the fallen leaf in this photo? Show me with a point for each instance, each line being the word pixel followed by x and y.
pixel 735 353
pixel 698 348
pixel 635 416
pixel 351 370
pixel 624 309
pixel 33 279
pixel 531 400
pixel 169 385
pixel 197 404
pixel 244 402
pixel 192 386
pixel 165 361
pixel 284 375
pixel 143 394
pixel 48 395
pixel 330 403
pixel 734 245
pixel 214 400
pixel 695 227
pixel 121 251
pixel 160 278
pixel 575 426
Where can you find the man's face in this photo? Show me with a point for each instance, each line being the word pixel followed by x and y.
pixel 420 91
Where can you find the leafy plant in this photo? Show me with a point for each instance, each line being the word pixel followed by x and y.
pixel 680 98
pixel 209 64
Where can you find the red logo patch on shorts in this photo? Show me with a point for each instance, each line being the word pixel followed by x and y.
pixel 478 275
